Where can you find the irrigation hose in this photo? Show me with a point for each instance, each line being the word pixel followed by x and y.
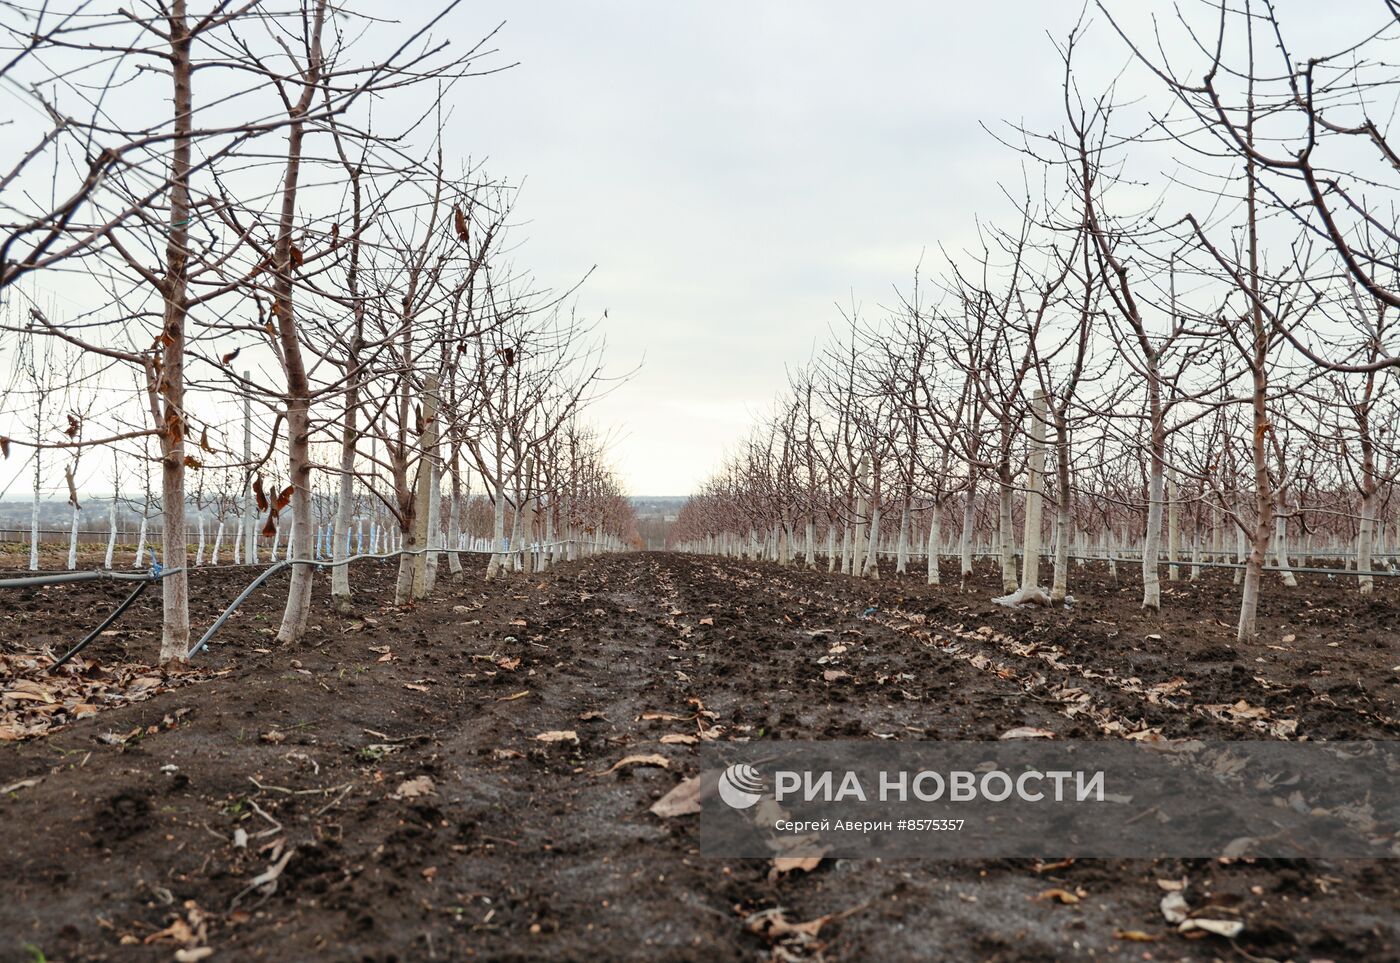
pixel 62 578
pixel 116 613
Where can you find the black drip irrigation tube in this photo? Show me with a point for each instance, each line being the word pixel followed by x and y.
pixel 157 573
pixel 116 613
pixel 144 580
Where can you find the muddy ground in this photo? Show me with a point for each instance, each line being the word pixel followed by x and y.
pixel 154 825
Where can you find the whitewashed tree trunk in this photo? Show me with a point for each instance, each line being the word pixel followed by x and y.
pixel 250 505
pixel 858 546
pixel 1364 540
pixel 1035 486
pixel 901 557
pixel 935 540
pixel 199 541
pixel 141 542
pixel 871 567
pixel 423 498
pixel 111 533
pixel 968 519
pixel 76 514
pixel 344 504
pixel 218 543
pixel 1006 542
pixel 1173 529
pixel 434 543
pixel 498 556
pixel 454 527
pixel 547 554
pixel 1240 553
pixel 1152 538
pixel 1281 550
pixel 34 517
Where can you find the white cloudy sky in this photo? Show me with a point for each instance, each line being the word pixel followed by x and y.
pixel 735 168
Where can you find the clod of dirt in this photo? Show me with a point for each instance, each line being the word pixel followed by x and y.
pixel 121 817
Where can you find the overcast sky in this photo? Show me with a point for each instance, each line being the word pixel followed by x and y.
pixel 736 168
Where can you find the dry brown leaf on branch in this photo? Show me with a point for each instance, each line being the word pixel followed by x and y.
pixel 648 759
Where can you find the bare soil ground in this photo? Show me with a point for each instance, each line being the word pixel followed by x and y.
pixel 271 804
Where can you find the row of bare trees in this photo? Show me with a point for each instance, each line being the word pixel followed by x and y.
pixel 247 216
pixel 1207 360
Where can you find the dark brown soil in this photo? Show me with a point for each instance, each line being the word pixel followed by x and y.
pixel 127 847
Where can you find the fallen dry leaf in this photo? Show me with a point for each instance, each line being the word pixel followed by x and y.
pixel 558 735
pixel 1135 936
pixel 1226 928
pixel 1175 907
pixel 680 801
pixel 678 739
pixel 415 787
pixel 1027 732
pixel 1059 895
pixel 649 759
pixel 22 784
pixel 518 695
pixel 835 675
